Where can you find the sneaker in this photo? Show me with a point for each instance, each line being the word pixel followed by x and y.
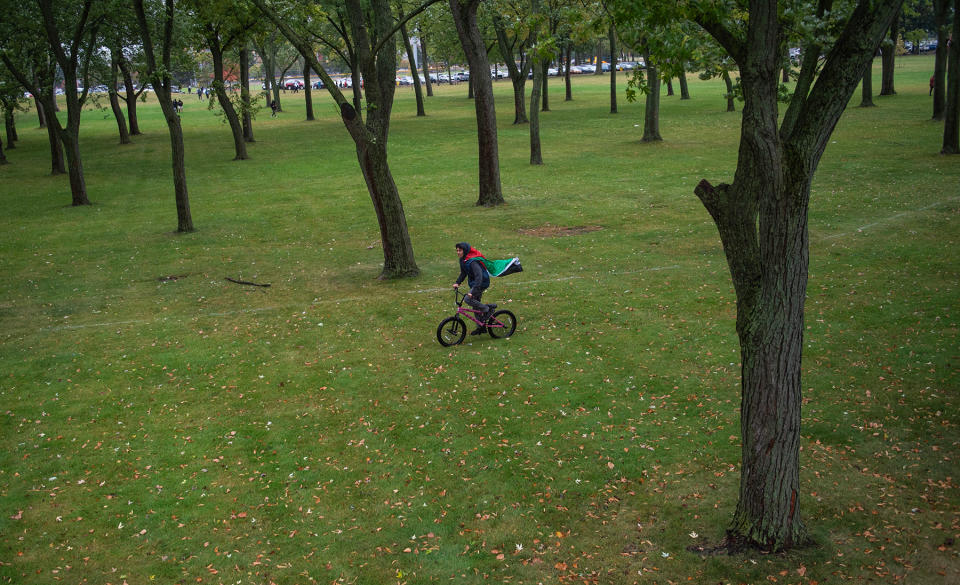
pixel 479 331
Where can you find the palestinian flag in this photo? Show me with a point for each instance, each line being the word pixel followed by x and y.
pixel 502 267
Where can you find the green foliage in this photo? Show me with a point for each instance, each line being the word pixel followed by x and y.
pixel 163 425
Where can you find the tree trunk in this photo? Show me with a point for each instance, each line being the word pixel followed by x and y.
pixel 568 95
pixel 942 18
pixel 3 157
pixel 518 73
pixel 417 90
pixel 10 124
pixel 951 125
pixel 684 89
pixel 115 102
pixel 866 88
pixel 58 164
pixel 131 98
pixel 612 34
pixel 474 47
pixel 181 196
pixel 308 89
pixel 219 87
pixel 651 114
pixel 41 115
pixel 519 98
pixel 545 87
pixel 599 69
pixel 670 87
pixel 762 220
pixel 731 106
pixel 425 64
pixel 245 106
pixel 889 60
pixel 536 156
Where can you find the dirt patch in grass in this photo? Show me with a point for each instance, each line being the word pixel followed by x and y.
pixel 556 231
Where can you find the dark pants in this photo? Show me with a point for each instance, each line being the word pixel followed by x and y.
pixel 474 301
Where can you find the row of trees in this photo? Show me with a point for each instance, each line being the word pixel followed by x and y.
pixel 761 215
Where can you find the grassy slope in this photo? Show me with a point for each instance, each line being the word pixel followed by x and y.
pixel 192 430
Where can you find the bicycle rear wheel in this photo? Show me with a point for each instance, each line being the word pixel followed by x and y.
pixel 502 324
pixel 451 331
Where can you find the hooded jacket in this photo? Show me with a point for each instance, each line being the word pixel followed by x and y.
pixel 472 268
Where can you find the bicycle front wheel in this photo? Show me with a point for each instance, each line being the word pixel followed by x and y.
pixel 451 331
pixel 502 324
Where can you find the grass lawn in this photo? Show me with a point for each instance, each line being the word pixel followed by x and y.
pixel 163 425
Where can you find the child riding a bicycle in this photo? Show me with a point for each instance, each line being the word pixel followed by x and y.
pixel 473 269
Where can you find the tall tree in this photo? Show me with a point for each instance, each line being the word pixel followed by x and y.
pixel 465 18
pixel 866 88
pixel 156 23
pixel 373 30
pixel 412 59
pixel 762 218
pixel 536 155
pixel 71 32
pixel 514 43
pixel 613 68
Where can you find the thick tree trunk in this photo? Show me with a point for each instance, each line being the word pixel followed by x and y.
pixel 651 114
pixel 245 106
pixel 762 220
pixel 220 88
pixel 474 47
pixel 889 61
pixel 731 106
pixel 866 88
pixel 951 125
pixel 71 145
pixel 417 90
pixel 519 98
pixel 942 18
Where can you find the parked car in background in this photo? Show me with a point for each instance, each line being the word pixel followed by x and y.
pixel 292 84
pixel 588 68
pixel 318 84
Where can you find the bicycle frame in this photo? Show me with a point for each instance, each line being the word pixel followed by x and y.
pixel 469 313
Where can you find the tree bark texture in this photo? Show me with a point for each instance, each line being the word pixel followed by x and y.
pixel 951 123
pixel 889 59
pixel 651 113
pixel 536 155
pixel 866 88
pixel 762 221
pixel 474 46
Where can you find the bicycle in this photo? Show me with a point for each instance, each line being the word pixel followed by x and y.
pixel 452 330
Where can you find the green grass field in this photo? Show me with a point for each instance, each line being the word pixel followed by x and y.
pixel 163 425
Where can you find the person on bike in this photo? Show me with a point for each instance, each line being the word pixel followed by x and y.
pixel 473 269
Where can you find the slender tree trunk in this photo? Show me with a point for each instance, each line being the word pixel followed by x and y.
pixel 519 98
pixel 220 88
pixel 941 16
pixel 568 97
pixel 115 102
pixel 889 60
pixel 41 115
pixel 651 114
pixel 3 157
pixel 131 98
pixel 57 161
pixel 670 87
pixel 612 34
pixel 417 90
pixel 308 89
pixel 181 195
pixel 684 89
pixel 545 87
pixel 474 47
pixel 425 65
pixel 245 106
pixel 536 156
pixel 599 69
pixel 731 106
pixel 951 125
pixel 866 88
